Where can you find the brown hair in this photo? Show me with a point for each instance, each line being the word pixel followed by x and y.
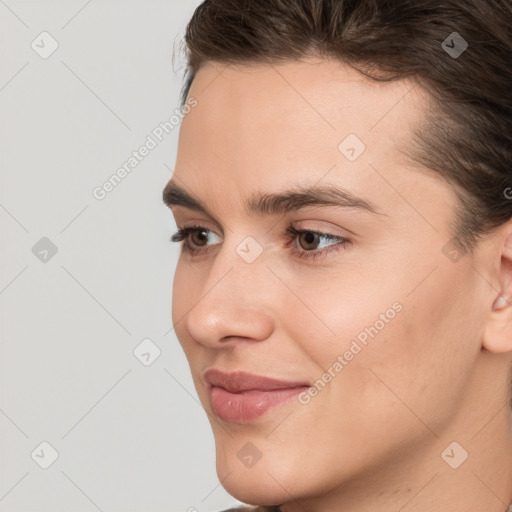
pixel 467 136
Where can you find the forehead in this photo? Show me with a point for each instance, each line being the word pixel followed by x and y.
pixel 301 108
pixel 329 92
pixel 264 127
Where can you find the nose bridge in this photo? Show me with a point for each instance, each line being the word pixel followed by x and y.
pixel 239 268
pixel 234 301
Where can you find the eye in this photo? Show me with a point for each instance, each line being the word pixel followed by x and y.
pixel 187 235
pixel 307 237
pixel 195 237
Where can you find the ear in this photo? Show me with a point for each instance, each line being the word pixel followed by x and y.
pixel 497 335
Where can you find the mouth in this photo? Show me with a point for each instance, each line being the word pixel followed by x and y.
pixel 242 397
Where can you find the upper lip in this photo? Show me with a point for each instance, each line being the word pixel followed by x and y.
pixel 236 382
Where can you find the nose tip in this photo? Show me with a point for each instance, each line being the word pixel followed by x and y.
pixel 234 308
pixel 216 324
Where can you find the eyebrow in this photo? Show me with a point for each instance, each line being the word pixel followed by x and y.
pixel 279 203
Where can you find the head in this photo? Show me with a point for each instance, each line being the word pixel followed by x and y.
pixel 372 129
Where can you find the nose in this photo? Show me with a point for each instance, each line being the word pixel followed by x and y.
pixel 233 304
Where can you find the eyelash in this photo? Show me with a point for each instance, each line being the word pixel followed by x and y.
pixel 183 234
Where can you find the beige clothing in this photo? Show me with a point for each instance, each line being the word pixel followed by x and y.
pixel 247 508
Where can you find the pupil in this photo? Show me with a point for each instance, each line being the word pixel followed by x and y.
pixel 310 238
pixel 201 235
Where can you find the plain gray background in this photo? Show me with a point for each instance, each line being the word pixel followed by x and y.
pixel 129 432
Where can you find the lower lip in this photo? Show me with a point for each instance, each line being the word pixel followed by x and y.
pixel 246 406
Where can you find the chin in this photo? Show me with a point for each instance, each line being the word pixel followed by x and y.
pixel 254 490
pixel 268 482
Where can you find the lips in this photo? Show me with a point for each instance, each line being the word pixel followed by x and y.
pixel 237 382
pixel 242 397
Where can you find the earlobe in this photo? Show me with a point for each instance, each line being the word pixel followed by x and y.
pixel 500 302
pixel 497 335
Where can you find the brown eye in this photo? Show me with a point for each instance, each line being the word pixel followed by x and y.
pixel 308 243
pixel 198 236
pixel 195 240
pixel 309 239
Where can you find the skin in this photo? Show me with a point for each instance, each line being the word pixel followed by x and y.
pixel 437 373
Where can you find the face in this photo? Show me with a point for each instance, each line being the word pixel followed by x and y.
pixel 363 307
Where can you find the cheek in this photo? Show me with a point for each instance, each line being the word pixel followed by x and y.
pixel 419 365
pixel 401 351
pixel 337 309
